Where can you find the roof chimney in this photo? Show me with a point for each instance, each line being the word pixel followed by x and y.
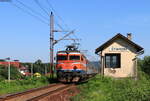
pixel 129 36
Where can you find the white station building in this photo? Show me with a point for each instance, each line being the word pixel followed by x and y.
pixel 119 56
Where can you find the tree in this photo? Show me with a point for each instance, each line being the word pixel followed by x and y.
pixel 38 66
pixel 144 64
pixel 38 62
pixel 14 72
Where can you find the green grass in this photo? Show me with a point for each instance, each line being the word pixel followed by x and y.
pixel 109 89
pixel 22 85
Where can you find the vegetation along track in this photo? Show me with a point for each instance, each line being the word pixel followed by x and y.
pixel 87 78
pixel 38 94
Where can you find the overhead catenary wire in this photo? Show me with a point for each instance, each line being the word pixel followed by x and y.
pixel 76 36
pixel 36 14
pixel 27 12
pixel 59 17
pixel 32 10
pixel 59 26
pixel 46 12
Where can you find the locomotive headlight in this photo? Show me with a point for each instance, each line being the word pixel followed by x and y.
pixel 75 67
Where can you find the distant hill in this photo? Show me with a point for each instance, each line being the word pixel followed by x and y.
pixel 95 64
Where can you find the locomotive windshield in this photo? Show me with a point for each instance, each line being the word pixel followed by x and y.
pixel 61 57
pixel 74 57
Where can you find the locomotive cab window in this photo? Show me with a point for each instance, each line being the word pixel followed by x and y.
pixel 74 57
pixel 61 57
pixel 112 60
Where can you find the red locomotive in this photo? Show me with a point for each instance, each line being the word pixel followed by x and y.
pixel 71 65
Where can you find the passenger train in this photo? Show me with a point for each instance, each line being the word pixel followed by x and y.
pixel 71 65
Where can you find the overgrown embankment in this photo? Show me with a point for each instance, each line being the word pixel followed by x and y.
pixel 22 85
pixel 109 89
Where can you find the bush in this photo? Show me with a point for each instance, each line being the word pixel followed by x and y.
pixel 2 78
pixel 22 85
pixel 144 65
pixel 14 73
pixel 108 89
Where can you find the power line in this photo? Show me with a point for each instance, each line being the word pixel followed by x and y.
pixel 37 2
pixel 27 12
pixel 32 9
pixel 38 18
pixel 60 18
pixel 76 36
pixel 59 25
pixel 35 12
pixel 38 13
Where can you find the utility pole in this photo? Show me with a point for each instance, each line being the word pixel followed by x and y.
pixel 32 69
pixel 8 59
pixel 51 43
pixel 9 70
pixel 45 69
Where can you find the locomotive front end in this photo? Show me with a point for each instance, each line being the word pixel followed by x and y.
pixel 70 66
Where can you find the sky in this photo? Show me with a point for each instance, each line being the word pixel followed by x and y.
pixel 26 38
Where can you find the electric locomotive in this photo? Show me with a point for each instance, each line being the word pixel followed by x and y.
pixel 71 65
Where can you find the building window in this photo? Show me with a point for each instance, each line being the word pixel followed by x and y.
pixel 112 60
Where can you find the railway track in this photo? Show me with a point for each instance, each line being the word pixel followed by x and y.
pixel 46 93
pixel 38 94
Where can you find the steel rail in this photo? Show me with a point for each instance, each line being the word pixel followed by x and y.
pixel 15 95
pixel 51 93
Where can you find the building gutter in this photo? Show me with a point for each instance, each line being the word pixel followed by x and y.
pixel 140 53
